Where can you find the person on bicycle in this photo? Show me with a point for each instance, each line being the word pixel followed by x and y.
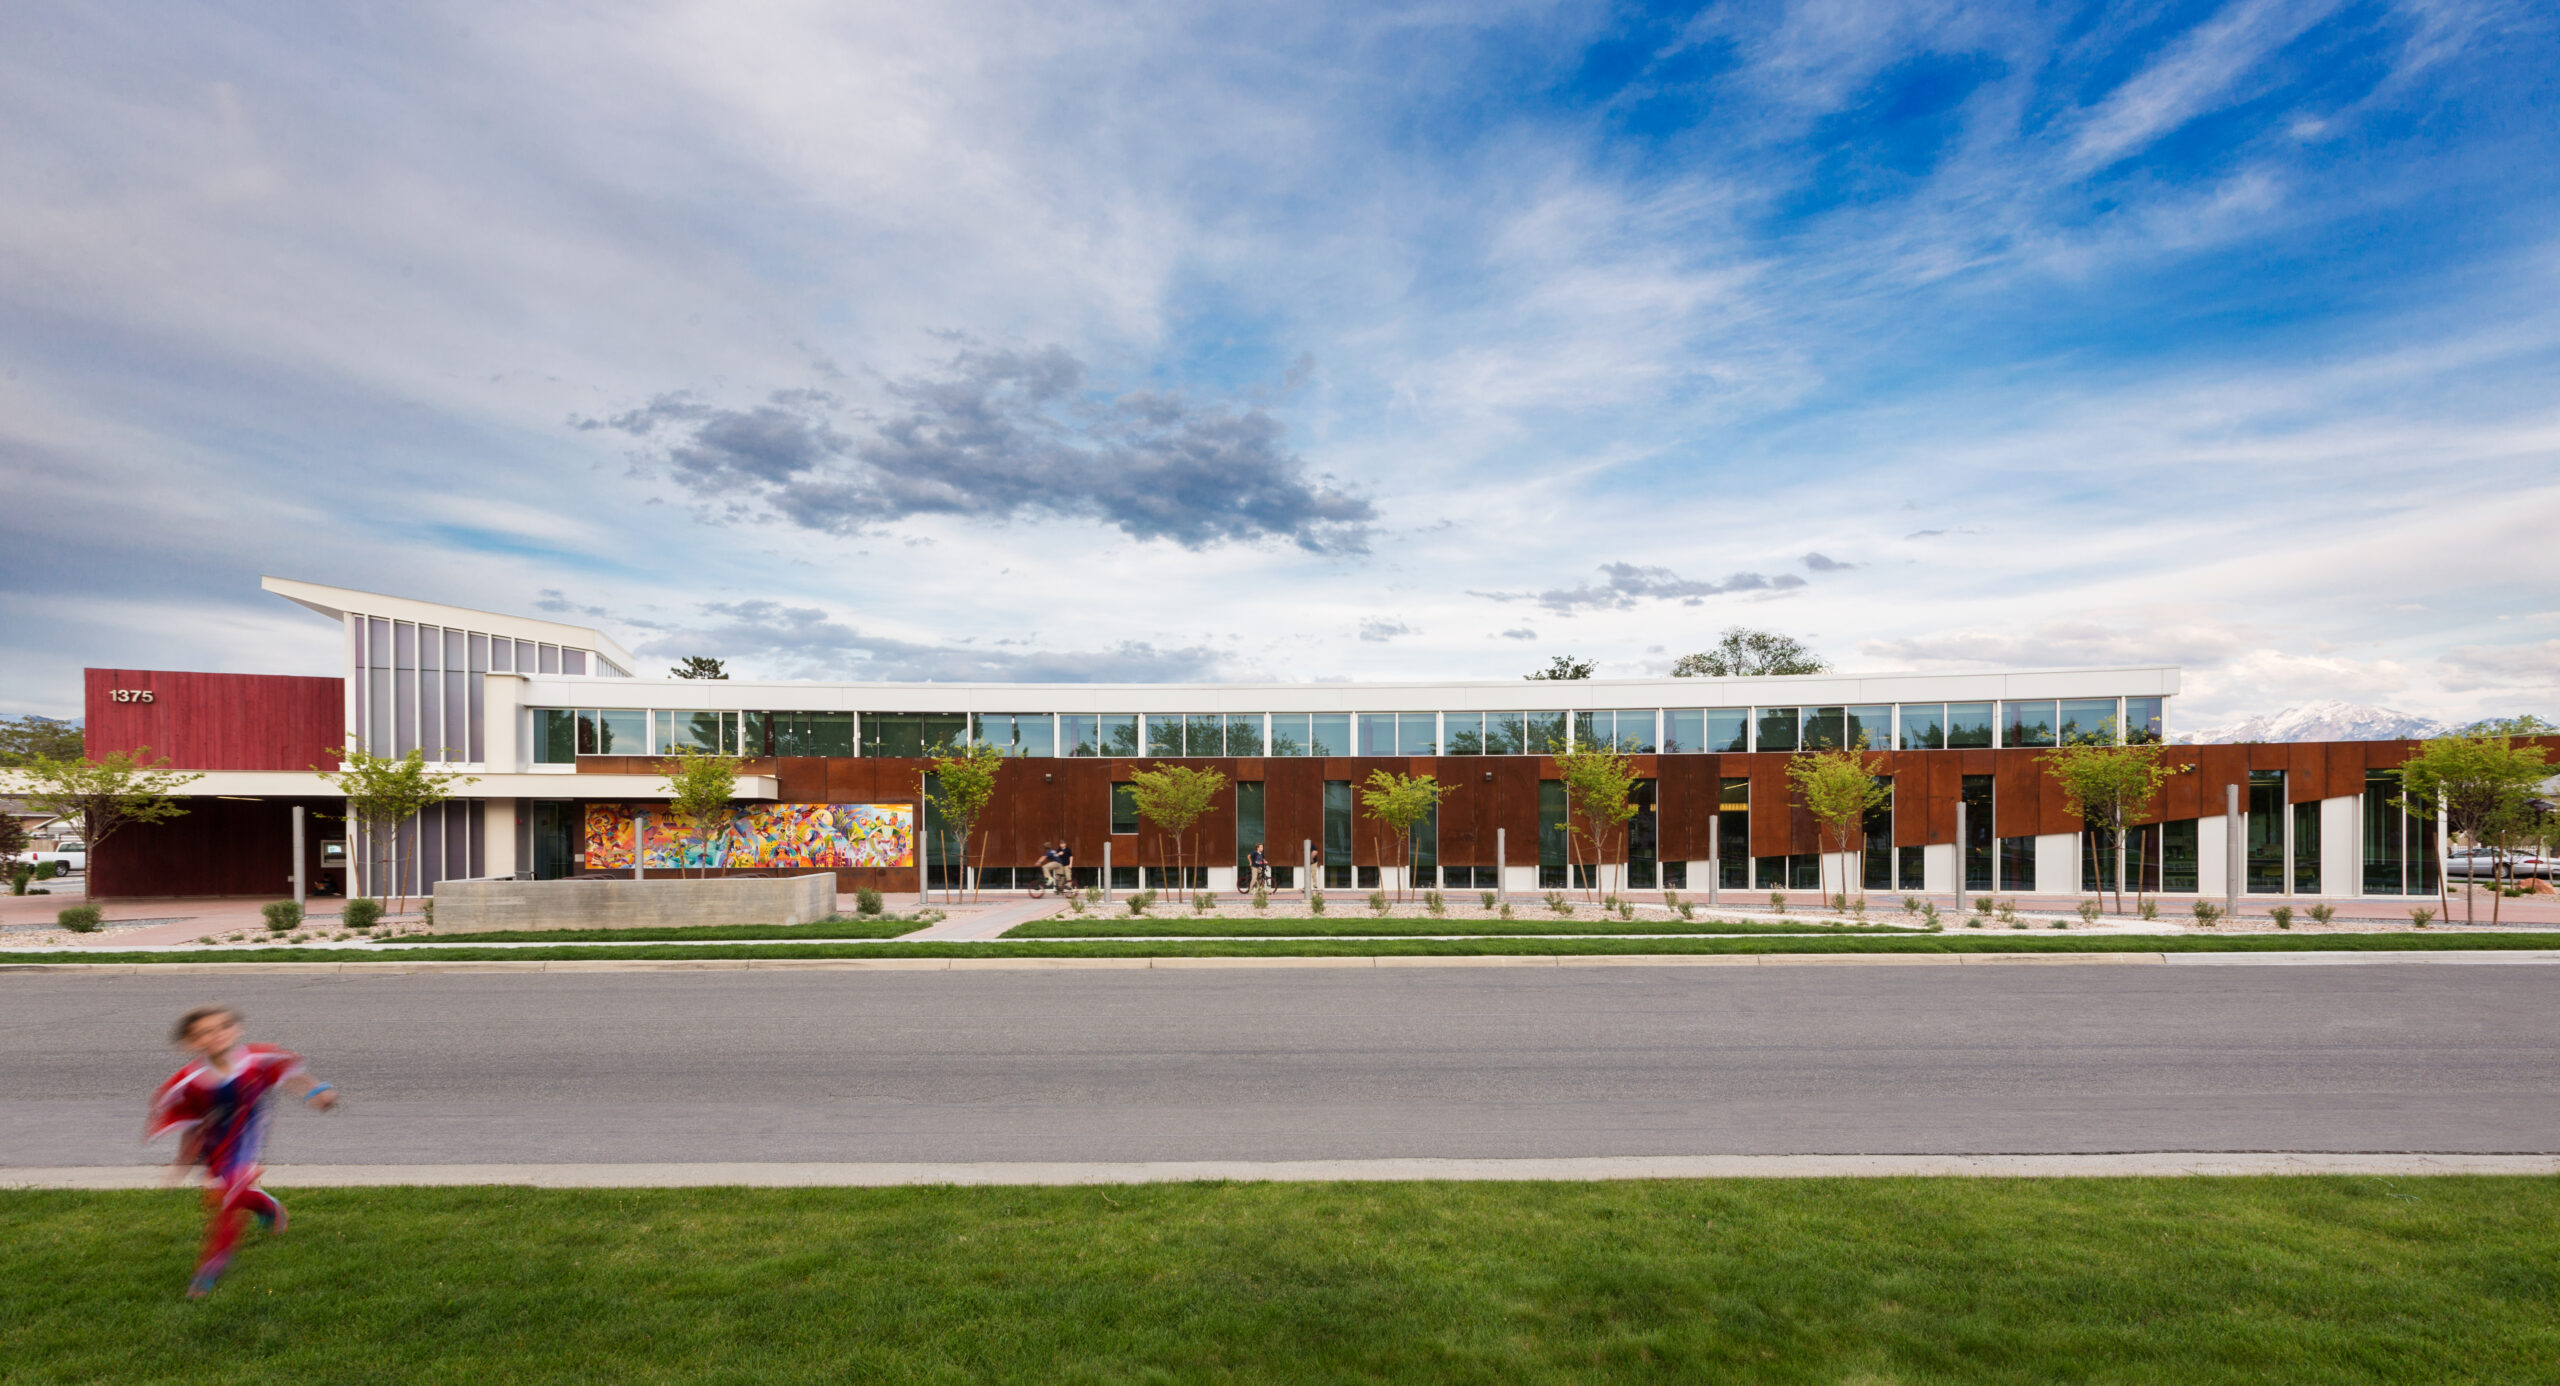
pixel 1055 867
pixel 1261 865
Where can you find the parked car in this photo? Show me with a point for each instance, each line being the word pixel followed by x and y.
pixel 74 856
pixel 2489 861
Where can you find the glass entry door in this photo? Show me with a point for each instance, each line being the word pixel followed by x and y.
pixel 552 819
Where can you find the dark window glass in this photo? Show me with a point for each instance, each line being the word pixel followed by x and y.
pixel 1644 834
pixel 1290 735
pixel 2088 722
pixel 1913 868
pixel 404 704
pixel 1368 878
pixel 1675 875
pixel 1465 733
pixel 1878 830
pixel 1825 728
pixel 476 689
pixel 1124 808
pixel 2142 721
pixel 1968 726
pixel 589 733
pixel 1244 734
pixel 2017 864
pixel 1329 734
pixel 1546 733
pixel 1337 834
pixel 2265 832
pixel 1635 733
pixel 1869 729
pixel 573 661
pixel 1733 842
pixel 1505 734
pixel 1417 734
pixel 1164 733
pixel 1594 728
pixel 1976 793
pixel 1777 730
pixel 2027 724
pixel 1684 729
pixel 2178 855
pixel 1204 734
pixel 1424 849
pixel 431 707
pixel 1924 726
pixel 622 732
pixel 826 733
pixel 942 732
pixel 1377 734
pixel 1728 729
pixel 2386 859
pixel 1249 801
pixel 1553 843
pixel 892 734
pixel 2306 848
pixel 555 736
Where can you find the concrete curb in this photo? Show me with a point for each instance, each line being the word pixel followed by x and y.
pixel 778 1176
pixel 1387 960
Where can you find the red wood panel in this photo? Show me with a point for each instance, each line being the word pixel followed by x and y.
pixel 218 721
pixel 217 847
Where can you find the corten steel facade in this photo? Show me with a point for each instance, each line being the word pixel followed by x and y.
pixel 550 722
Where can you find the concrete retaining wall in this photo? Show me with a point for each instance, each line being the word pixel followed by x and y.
pixel 470 907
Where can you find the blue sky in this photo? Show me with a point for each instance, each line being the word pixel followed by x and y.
pixel 993 341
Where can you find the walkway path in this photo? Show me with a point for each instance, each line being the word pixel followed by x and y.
pixel 987 921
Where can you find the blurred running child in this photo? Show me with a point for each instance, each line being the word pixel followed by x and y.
pixel 218 1105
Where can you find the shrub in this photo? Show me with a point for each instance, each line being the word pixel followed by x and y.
pixel 2015 922
pixel 1201 902
pixel 47 870
pixel 1557 902
pixel 867 901
pixel 1141 902
pixel 1076 903
pixel 2422 916
pixel 1687 910
pixel 1433 901
pixel 361 913
pixel 2089 910
pixel 2062 923
pixel 1315 901
pixel 2208 913
pixel 1609 903
pixel 1093 895
pixel 2009 913
pixel 1911 905
pixel 2323 913
pixel 1982 905
pixel 19 875
pixel 1974 923
pixel 1778 901
pixel 1506 909
pixel 2148 909
pixel 1840 903
pixel 2282 915
pixel 1670 899
pixel 80 919
pixel 1929 914
pixel 1858 909
pixel 1626 909
pixel 1261 898
pixel 283 917
pixel 1378 902
pixel 1485 898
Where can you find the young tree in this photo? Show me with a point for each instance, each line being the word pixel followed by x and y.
pixel 1399 803
pixel 1599 785
pixel 701 786
pixel 1564 667
pixel 23 739
pixel 1747 653
pixel 2469 780
pixel 382 793
pixel 1838 788
pixel 700 667
pixel 2109 787
pixel 104 795
pixel 13 839
pixel 967 781
pixel 1175 798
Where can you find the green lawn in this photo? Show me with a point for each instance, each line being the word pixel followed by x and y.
pixel 877 927
pixel 1252 926
pixel 1953 941
pixel 2189 1281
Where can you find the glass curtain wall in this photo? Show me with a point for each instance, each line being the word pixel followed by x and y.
pixel 1868 728
pixel 1733 833
pixel 2178 858
pixel 1113 734
pixel 803 733
pixel 2399 846
pixel 1774 729
pixel 1553 855
pixel 2017 864
pixel 1124 809
pixel 1877 856
pixel 2306 848
pixel 1976 792
pixel 1337 834
pixel 2265 832
pixel 2028 723
pixel 1924 726
pixel 1644 836
pixel 2089 722
pixel 1016 733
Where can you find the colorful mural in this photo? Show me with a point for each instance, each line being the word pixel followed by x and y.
pixel 759 836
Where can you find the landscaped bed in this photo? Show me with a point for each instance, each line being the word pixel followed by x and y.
pixel 861 926
pixel 2190 1281
pixel 1228 926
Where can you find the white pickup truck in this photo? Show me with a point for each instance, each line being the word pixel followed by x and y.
pixel 73 856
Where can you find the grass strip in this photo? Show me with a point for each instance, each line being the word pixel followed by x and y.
pixel 2193 1281
pixel 1317 947
pixel 825 928
pixel 1230 926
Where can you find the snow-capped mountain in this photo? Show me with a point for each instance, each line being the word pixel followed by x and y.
pixel 2326 720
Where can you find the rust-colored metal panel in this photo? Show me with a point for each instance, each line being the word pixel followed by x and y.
pixel 1249 768
pixel 2345 768
pixel 2217 768
pixel 2014 793
pixel 2306 773
pixel 1773 807
pixel 1292 805
pixel 1915 798
pixel 2269 755
pixel 2053 807
pixel 2388 755
pixel 1686 790
pixel 216 721
pixel 1515 807
pixel 2179 794
pixel 800 780
pixel 1084 807
pixel 1646 767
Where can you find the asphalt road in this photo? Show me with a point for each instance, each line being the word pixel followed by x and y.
pixel 1312 1064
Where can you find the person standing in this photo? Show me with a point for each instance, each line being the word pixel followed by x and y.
pixel 217 1104
pixel 1261 864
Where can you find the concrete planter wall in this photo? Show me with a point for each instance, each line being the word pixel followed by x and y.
pixel 470 907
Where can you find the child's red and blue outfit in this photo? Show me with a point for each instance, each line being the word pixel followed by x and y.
pixel 229 1116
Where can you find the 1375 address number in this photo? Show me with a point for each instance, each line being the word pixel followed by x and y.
pixel 129 695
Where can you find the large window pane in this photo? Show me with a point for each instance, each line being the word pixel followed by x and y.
pixel 2018 864
pixel 1465 733
pixel 622 731
pixel 1968 726
pixel 1377 733
pixel 1330 734
pixel 892 734
pixel 1164 733
pixel 1733 831
pixel 573 661
pixel 1877 832
pixel 2088 722
pixel 2142 721
pixel 1869 729
pixel 587 733
pixel 1976 791
pixel 1244 733
pixel 1684 729
pixel 2306 848
pixel 555 736
pixel 1635 733
pixel 1546 733
pixel 1825 728
pixel 1924 726
pixel 1336 846
pixel 1728 729
pixel 2178 855
pixel 1205 734
pixel 2029 723
pixel 1417 734
pixel 1505 734
pixel 943 732
pixel 1290 735
pixel 1777 729
pixel 1594 728
pixel 1124 809
pixel 2265 832
pixel 1554 844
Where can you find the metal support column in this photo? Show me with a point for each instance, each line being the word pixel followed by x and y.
pixel 2234 847
pixel 301 864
